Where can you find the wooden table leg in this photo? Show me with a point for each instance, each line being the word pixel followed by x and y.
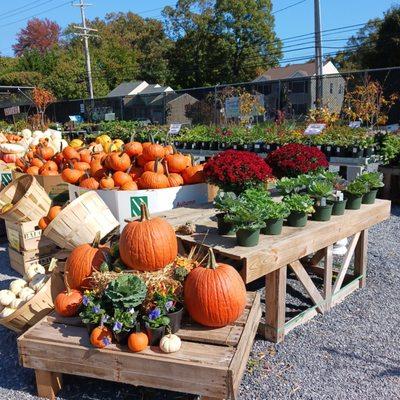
pixel 360 258
pixel 328 277
pixel 48 383
pixel 275 305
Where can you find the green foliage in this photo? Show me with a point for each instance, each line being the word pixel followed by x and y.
pixel 125 292
pixel 223 200
pixel 180 274
pixel 276 210
pixel 374 180
pixel 92 309
pixel 357 188
pixel 320 188
pixel 299 203
pixel 390 149
pixel 125 320
pixel 287 186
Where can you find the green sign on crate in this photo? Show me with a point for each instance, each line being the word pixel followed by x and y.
pixel 6 178
pixel 135 205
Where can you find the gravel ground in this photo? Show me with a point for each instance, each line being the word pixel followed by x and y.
pixel 353 352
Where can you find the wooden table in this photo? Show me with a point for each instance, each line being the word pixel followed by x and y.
pixel 300 249
pixel 210 363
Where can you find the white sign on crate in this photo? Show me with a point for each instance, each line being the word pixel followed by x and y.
pixel 174 129
pixel 314 129
pixel 11 111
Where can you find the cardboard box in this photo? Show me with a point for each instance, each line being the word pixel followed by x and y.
pixel 26 236
pixel 125 205
pixel 54 186
pixel 21 261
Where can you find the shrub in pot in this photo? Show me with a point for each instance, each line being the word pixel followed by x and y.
pixel 321 191
pixel 354 194
pixel 274 215
pixel 300 205
pixel 374 181
pixel 222 203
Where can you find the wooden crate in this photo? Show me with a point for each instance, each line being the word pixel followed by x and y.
pixel 26 236
pixel 21 261
pixel 210 363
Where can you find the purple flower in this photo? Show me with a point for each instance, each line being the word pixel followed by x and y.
pixel 154 314
pixel 85 301
pixel 96 309
pixel 117 326
pixel 106 341
pixel 104 319
pixel 169 305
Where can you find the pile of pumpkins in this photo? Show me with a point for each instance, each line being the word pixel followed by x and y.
pixel 130 166
pixel 214 294
pixel 22 290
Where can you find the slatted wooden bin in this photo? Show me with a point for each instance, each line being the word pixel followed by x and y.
pixel 80 221
pixel 211 362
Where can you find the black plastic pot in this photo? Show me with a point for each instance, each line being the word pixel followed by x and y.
pixel 205 145
pixel 273 227
pixel 248 147
pixel 155 335
pixel 370 197
pixel 327 149
pixel 223 146
pixel 214 146
pixel 176 319
pixel 338 151
pixel 248 238
pixel 258 147
pixel 224 228
pixel 353 202
pixel 179 145
pixel 339 207
pixel 369 151
pixel 356 152
pixel 122 337
pixel 237 146
pixel 297 219
pixel 323 213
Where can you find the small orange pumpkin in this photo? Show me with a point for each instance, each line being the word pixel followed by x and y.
pixel 193 175
pixel 137 342
pixel 45 152
pixel 133 149
pixel 174 180
pixel 53 212
pixel 107 183
pixel 120 178
pixel 118 162
pixel 85 156
pixel 129 186
pixel 154 166
pixel 43 223
pixel 70 153
pixel 152 152
pixel 89 183
pixel 67 303
pixel 37 162
pixel 135 173
pixel 152 180
pixel 71 175
pixel 81 166
pixel 32 170
pixel 101 337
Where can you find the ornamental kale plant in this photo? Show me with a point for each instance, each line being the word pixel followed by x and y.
pixel 243 216
pixel 223 201
pixel 319 189
pixel 372 179
pixel 276 210
pixel 299 203
pixel 357 188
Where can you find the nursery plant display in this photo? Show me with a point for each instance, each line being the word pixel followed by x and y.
pixel 374 181
pixel 300 205
pixel 322 192
pixel 274 215
pixel 222 203
pixel 354 194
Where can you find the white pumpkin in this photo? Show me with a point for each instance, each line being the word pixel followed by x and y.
pixel 26 293
pixel 17 303
pixel 11 148
pixel 26 133
pixel 37 134
pixel 17 285
pixel 38 282
pixel 33 270
pixel 170 343
pixel 7 311
pixel 6 297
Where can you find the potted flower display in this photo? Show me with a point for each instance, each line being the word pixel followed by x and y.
pixel 354 194
pixel 300 205
pixel 92 313
pixel 122 324
pixel 155 322
pixel 374 181
pixel 274 216
pixel 172 307
pixel 321 191
pixel 222 203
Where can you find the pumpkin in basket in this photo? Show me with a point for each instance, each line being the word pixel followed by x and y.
pixel 177 162
pixel 133 149
pixel 82 261
pixel 148 244
pixel 214 295
pixel 153 151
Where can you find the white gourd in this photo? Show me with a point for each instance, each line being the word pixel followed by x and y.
pixel 26 133
pixel 170 343
pixel 33 270
pixel 17 285
pixel 11 148
pixel 17 303
pixel 37 134
pixel 6 297
pixel 7 311
pixel 26 293
pixel 38 282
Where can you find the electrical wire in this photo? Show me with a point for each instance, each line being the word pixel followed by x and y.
pixel 287 7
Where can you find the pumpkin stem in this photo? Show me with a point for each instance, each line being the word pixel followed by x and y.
pixel 166 168
pixel 66 283
pixel 212 262
pixel 151 138
pixel 133 136
pixel 96 240
pixel 145 212
pixel 192 159
pixel 156 164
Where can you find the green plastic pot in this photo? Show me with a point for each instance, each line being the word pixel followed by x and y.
pixel 297 219
pixel 247 237
pixel 370 197
pixel 353 202
pixel 323 213
pixel 224 228
pixel 273 227
pixel 339 207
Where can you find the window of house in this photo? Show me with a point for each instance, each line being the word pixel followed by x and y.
pixel 298 87
pixel 331 88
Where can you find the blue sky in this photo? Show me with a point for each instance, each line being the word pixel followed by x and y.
pixel 296 20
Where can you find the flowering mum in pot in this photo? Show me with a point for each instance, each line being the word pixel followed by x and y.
pixel 235 171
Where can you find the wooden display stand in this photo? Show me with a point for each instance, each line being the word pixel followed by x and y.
pixel 293 248
pixel 211 362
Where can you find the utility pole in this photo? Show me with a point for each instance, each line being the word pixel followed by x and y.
pixel 318 54
pixel 86 34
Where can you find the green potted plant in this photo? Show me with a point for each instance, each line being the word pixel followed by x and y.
pixel 354 194
pixel 300 205
pixel 222 203
pixel 274 215
pixel 155 322
pixel 374 181
pixel 122 324
pixel 321 191
pixel 93 314
pixel 172 307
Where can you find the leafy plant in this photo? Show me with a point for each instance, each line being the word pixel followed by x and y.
pixel 223 200
pixel 167 302
pixel 299 203
pixel 242 216
pixel 276 210
pixel 123 321
pixel 320 189
pixel 156 319
pixel 357 188
pixel 287 186
pixel 92 311
pixel 374 180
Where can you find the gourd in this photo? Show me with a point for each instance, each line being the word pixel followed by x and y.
pixel 133 149
pixel 33 270
pixel 11 148
pixel 17 303
pixel 153 151
pixel 100 337
pixel 17 285
pixel 119 162
pixel 138 341
pixel 148 244
pixel 67 303
pixel 214 295
pixel 26 293
pixel 6 297
pixel 170 343
pixel 193 175
pixel 38 282
pixel 7 311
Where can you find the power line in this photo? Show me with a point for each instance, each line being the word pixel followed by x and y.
pixel 290 6
pixel 17 11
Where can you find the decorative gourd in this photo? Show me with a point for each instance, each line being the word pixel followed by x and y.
pixel 153 151
pixel 214 295
pixel 38 281
pixel 26 294
pixel 138 341
pixel 119 162
pixel 120 178
pixel 133 149
pixel 33 270
pixel 17 285
pixel 67 303
pixel 17 303
pixel 148 244
pixel 53 212
pixel 107 183
pixel 101 337
pixel 170 343
pixel 82 261
pixel 7 311
pixel 43 223
pixel 152 180
pixel 193 174
pixel 6 297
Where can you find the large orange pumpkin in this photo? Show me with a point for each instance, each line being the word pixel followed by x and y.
pixel 148 244
pixel 193 174
pixel 152 180
pixel 82 261
pixel 177 162
pixel 214 295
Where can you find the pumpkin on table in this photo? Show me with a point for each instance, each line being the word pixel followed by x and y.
pixel 138 341
pixel 101 337
pixel 214 295
pixel 148 244
pixel 67 303
pixel 193 174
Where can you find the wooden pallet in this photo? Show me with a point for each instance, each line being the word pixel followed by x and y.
pixel 210 363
